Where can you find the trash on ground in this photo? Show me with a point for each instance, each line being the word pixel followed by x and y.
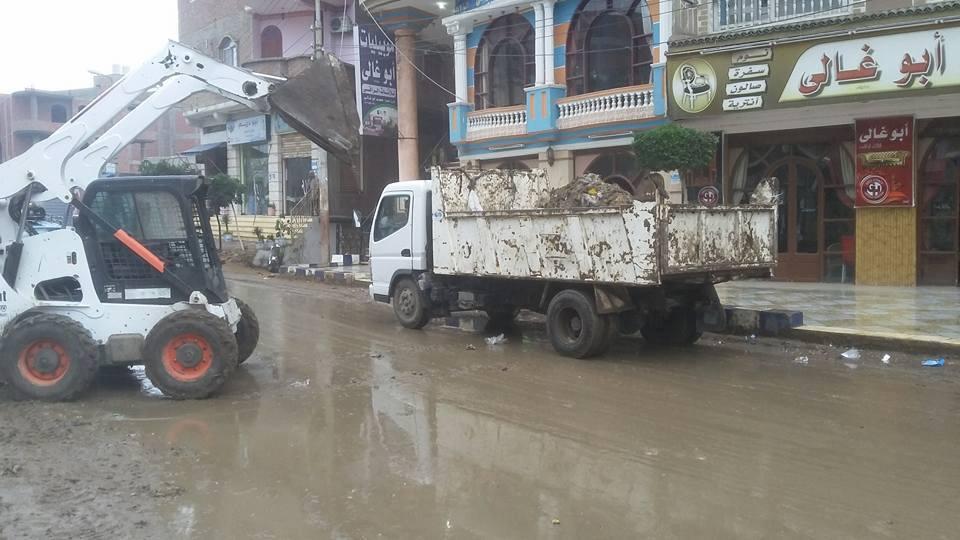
pixel 375 355
pixel 885 359
pixel 300 384
pixel 851 354
pixel 751 339
pixel 801 360
pixel 471 348
pixel 556 521
pixel 496 340
pixel 932 362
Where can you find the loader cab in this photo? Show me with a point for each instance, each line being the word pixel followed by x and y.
pixel 168 216
pixel 400 235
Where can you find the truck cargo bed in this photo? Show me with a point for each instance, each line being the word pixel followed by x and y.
pixel 483 225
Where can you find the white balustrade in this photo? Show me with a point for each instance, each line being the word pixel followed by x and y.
pixel 730 14
pixel 627 104
pixel 497 123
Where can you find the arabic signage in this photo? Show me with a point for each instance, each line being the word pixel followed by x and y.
pixel 885 161
pixel 376 78
pixel 798 74
pixel 247 130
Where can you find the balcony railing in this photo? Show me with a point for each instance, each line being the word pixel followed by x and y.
pixel 500 122
pixel 616 105
pixel 731 14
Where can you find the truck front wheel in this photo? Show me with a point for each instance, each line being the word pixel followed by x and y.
pixel 409 304
pixel 574 326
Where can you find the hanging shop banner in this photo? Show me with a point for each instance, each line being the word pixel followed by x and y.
pixel 885 161
pixel 921 62
pixel 376 78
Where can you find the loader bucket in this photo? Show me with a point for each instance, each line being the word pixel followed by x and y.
pixel 320 104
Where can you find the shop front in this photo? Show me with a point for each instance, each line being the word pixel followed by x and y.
pixel 857 133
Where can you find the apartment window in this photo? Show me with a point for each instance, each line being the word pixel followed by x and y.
pixel 271 42
pixel 228 51
pixel 58 114
pixel 505 63
pixel 610 45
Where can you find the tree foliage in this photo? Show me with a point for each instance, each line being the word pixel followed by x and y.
pixel 224 190
pixel 166 168
pixel 673 147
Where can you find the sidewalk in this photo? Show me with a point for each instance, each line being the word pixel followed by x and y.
pixel 925 317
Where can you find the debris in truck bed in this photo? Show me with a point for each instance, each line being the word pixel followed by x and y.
pixel 588 191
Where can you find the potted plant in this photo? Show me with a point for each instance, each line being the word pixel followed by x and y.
pixel 673 147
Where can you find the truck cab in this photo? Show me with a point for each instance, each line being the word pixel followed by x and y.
pixel 400 235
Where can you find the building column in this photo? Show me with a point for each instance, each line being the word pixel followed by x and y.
pixel 460 66
pixel 407 124
pixel 538 42
pixel 548 46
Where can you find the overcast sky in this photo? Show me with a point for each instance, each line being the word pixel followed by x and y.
pixel 53 44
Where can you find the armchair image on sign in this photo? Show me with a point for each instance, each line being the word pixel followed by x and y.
pixel 377 81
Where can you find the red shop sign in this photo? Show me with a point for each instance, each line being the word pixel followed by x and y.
pixel 884 161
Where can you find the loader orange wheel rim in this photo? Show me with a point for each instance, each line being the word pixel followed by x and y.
pixel 187 357
pixel 43 363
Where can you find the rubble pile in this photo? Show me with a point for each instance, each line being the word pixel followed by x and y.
pixel 588 191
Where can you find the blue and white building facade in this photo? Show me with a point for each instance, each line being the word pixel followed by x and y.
pixel 557 84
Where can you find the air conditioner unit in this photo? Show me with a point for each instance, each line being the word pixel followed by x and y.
pixel 341 25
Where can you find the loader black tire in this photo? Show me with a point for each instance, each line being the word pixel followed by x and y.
pixel 189 354
pixel 248 332
pixel 574 326
pixel 680 327
pixel 409 304
pixel 48 357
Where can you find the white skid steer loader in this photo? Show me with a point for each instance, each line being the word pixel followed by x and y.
pixel 137 278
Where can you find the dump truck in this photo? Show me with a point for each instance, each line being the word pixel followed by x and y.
pixel 485 240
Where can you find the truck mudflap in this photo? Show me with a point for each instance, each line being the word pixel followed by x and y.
pixel 723 239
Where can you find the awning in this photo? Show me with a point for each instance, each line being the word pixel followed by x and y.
pixel 201 148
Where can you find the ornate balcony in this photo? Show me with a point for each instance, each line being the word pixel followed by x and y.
pixel 616 105
pixel 499 122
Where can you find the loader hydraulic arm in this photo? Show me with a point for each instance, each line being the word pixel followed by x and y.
pixel 178 70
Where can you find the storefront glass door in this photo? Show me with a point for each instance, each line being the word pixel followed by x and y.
pixel 939 223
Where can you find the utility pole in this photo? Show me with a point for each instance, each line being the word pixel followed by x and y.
pixel 317 29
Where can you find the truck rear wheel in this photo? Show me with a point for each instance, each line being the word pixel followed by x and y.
pixel 409 305
pixel 189 354
pixel 248 332
pixel 680 327
pixel 574 326
pixel 48 357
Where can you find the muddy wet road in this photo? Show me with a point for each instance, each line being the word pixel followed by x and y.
pixel 343 425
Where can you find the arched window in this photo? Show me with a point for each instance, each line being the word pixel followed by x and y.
pixel 505 63
pixel 271 42
pixel 58 114
pixel 619 167
pixel 228 51
pixel 610 45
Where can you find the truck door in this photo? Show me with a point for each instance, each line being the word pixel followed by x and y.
pixel 391 240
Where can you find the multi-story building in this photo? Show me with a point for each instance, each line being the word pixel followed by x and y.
pixel 278 37
pixel 558 84
pixel 31 115
pixel 851 105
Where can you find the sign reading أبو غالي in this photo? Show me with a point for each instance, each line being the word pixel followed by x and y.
pixel 796 74
pixel 376 78
pixel 884 168
pixel 874 65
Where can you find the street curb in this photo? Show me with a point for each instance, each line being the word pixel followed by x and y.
pixel 323 275
pixel 875 340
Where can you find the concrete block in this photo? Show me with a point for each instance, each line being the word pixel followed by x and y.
pixel 742 321
pixel 774 322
